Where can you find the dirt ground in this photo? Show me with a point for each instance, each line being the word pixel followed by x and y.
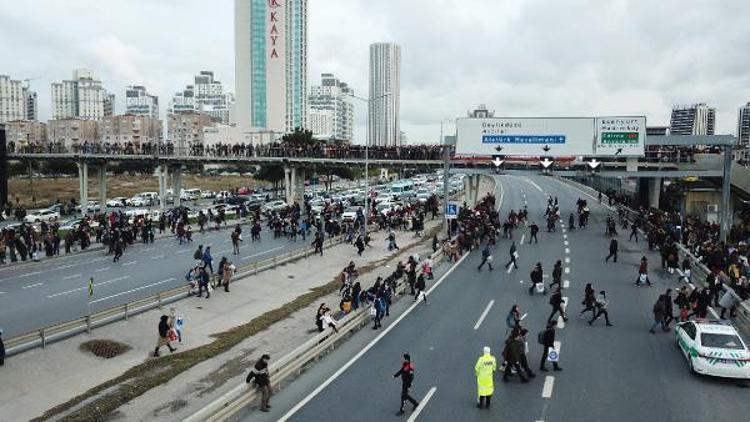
pixel 42 192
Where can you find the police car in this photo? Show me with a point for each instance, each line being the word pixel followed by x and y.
pixel 713 348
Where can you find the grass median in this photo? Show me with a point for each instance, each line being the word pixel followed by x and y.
pixel 98 403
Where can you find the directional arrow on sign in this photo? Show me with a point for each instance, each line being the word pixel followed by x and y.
pixel 546 148
pixel 593 163
pixel 497 162
pixel 546 162
pixel 498 148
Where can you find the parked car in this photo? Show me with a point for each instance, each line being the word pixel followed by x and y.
pixel 117 202
pixel 208 194
pixel 41 215
pixel 349 215
pixel 273 206
pixel 93 206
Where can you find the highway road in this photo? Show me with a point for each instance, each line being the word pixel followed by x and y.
pixel 33 295
pixel 618 373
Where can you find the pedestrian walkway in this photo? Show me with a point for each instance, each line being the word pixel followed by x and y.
pixel 41 379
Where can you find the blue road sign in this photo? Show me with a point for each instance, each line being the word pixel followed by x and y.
pixel 451 210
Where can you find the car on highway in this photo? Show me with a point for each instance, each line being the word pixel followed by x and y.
pixel 41 215
pixel 138 201
pixel 208 194
pixel 73 224
pixel 273 206
pixel 93 206
pixel 190 194
pixel 349 215
pixel 117 202
pixel 714 348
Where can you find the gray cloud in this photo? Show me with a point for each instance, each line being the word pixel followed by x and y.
pixel 533 57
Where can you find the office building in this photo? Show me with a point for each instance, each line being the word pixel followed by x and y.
pixel 140 103
pixel 384 128
pixel 131 129
pixel 206 96
pixel 26 132
pixel 72 131
pixel 270 64
pixel 12 100
pixel 657 130
pixel 186 130
pixel 743 126
pixel 481 112
pixel 82 97
pixel 31 104
pixel 696 119
pixel 331 114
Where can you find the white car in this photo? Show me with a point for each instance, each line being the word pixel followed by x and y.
pixel 92 206
pixel 42 215
pixel 349 215
pixel 273 206
pixel 208 194
pixel 138 201
pixel 423 197
pixel 713 348
pixel 116 202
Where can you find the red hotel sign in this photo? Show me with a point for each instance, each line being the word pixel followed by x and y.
pixel 273 34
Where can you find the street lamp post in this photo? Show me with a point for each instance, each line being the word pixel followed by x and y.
pixel 369 102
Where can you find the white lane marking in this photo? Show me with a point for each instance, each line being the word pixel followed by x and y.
pixel 566 243
pixel 66 266
pixel 2 293
pixel 564 305
pixel 535 185
pixel 183 251
pixel 560 322
pixel 567 270
pixel 263 253
pixel 68 277
pixel 520 281
pixel 523 237
pixel 549 384
pixel 224 251
pixel 129 263
pixel 566 284
pixel 565 236
pixel 567 260
pixel 30 274
pixel 158 256
pixel 365 349
pixel 558 346
pixel 484 314
pixel 84 288
pixel 102 269
pixel 510 268
pixel 64 293
pixel 31 286
pixel 422 404
pixel 567 250
pixel 133 290
pixel 149 249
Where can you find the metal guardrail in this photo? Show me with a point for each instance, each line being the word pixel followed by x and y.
pixel 42 336
pixel 699 270
pixel 294 363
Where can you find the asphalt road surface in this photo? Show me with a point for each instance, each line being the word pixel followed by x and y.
pixel 618 373
pixel 35 295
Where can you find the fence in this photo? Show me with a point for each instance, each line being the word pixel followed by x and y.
pixel 294 363
pixel 40 337
pixel 699 270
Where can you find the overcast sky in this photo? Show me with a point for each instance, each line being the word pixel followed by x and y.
pixel 521 58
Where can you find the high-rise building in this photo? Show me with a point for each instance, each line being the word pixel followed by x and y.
pixel 384 127
pixel 31 104
pixel 206 95
pixel 695 119
pixel 12 100
pixel 132 129
pixel 331 115
pixel 73 131
pixel 481 112
pixel 140 103
pixel 81 97
pixel 743 125
pixel 270 41
pixel 186 129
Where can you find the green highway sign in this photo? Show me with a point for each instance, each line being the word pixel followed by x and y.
pixel 626 138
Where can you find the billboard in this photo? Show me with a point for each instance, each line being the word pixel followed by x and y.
pixel 551 136
pixel 621 136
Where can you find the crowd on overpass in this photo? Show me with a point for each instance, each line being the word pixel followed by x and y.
pixel 242 150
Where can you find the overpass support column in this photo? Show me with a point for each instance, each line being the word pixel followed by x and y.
pixel 102 176
pixel 162 174
pixel 726 192
pixel 287 185
pixel 299 186
pixel 477 179
pixel 83 185
pixel 177 183
pixel 654 192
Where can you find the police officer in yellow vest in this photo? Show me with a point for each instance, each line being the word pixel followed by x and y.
pixel 485 370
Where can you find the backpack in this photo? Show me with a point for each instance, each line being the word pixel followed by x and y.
pixel 197 254
pixel 540 337
pixel 510 321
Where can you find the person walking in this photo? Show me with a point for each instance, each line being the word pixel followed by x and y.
pixel 659 315
pixel 226 275
pixel 318 244
pixel 534 230
pixel 485 369
pixel 633 232
pixel 208 259
pixel 556 300
pixel 547 340
pixel 406 373
pixel 420 287
pixel 556 275
pixel 537 277
pixel 613 246
pixel 163 340
pixel 203 279
pixel 259 374
pixel 588 301
pixel 643 273
pixel 236 238
pixel 486 258
pixel 601 308
pixel 515 356
pixel 513 255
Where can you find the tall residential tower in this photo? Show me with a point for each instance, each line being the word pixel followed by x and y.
pixel 384 128
pixel 743 126
pixel 270 41
pixel 696 119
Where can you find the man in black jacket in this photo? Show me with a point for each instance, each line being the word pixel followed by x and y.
pixel 537 277
pixel 612 251
pixel 259 373
pixel 556 301
pixel 534 230
pixel 547 338
pixel 407 376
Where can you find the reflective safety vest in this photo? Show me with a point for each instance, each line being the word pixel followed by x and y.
pixel 484 370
